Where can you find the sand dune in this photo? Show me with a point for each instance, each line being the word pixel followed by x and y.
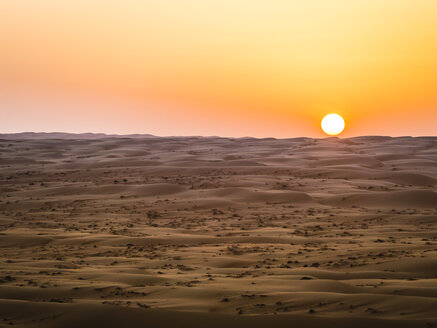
pixel 394 199
pixel 136 231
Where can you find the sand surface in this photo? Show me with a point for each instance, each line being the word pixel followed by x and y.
pixel 142 231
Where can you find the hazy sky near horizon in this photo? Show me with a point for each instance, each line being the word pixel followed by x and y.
pixel 222 67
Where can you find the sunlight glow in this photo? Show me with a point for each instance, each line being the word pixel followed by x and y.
pixel 333 124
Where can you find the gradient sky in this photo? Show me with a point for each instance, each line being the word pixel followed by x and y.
pixel 222 67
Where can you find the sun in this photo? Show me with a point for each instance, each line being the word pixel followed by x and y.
pixel 332 124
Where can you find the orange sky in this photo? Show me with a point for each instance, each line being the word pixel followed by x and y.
pixel 222 67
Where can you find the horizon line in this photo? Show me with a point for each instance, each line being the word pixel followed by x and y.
pixel 139 135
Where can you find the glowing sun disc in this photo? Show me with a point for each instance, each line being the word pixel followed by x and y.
pixel 332 124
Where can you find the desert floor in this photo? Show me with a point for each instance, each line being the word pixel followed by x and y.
pixel 214 232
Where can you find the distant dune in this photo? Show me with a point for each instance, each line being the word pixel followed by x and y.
pixel 64 135
pixel 145 231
